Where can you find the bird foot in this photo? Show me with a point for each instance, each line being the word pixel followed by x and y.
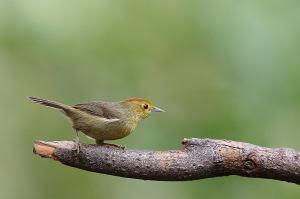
pixel 78 146
pixel 114 145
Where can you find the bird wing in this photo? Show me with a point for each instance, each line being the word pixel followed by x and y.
pixel 101 109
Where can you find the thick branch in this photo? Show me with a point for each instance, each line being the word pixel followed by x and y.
pixel 198 159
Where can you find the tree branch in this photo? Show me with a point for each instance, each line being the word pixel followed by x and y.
pixel 198 159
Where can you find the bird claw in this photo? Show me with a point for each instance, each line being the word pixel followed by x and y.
pixel 114 145
pixel 78 146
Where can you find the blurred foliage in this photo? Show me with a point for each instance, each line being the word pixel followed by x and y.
pixel 220 69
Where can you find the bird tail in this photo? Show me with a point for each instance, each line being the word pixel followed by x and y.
pixel 50 103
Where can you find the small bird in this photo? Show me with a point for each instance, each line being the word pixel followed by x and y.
pixel 103 120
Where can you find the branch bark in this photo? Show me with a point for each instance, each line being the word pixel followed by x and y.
pixel 198 159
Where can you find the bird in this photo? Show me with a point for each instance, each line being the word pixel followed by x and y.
pixel 103 120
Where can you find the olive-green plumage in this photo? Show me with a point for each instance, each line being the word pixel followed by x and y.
pixel 104 120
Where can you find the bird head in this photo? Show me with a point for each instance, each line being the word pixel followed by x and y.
pixel 141 108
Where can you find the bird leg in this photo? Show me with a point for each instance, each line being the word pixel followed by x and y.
pixel 101 142
pixel 77 143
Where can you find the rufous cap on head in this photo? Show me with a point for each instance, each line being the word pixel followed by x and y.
pixel 137 99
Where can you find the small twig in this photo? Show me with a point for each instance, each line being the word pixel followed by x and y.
pixel 198 159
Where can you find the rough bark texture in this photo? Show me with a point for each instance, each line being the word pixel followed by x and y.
pixel 198 159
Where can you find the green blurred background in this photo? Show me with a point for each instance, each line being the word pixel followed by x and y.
pixel 220 69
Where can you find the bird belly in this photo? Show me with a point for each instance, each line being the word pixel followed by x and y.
pixel 99 128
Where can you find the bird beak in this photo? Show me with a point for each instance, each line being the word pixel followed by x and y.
pixel 155 109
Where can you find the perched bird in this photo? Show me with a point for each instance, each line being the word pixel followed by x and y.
pixel 104 120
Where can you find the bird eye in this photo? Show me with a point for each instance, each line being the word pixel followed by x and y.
pixel 145 106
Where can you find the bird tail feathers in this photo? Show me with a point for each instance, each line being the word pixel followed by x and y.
pixel 50 103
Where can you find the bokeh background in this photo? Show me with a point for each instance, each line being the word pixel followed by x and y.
pixel 220 69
